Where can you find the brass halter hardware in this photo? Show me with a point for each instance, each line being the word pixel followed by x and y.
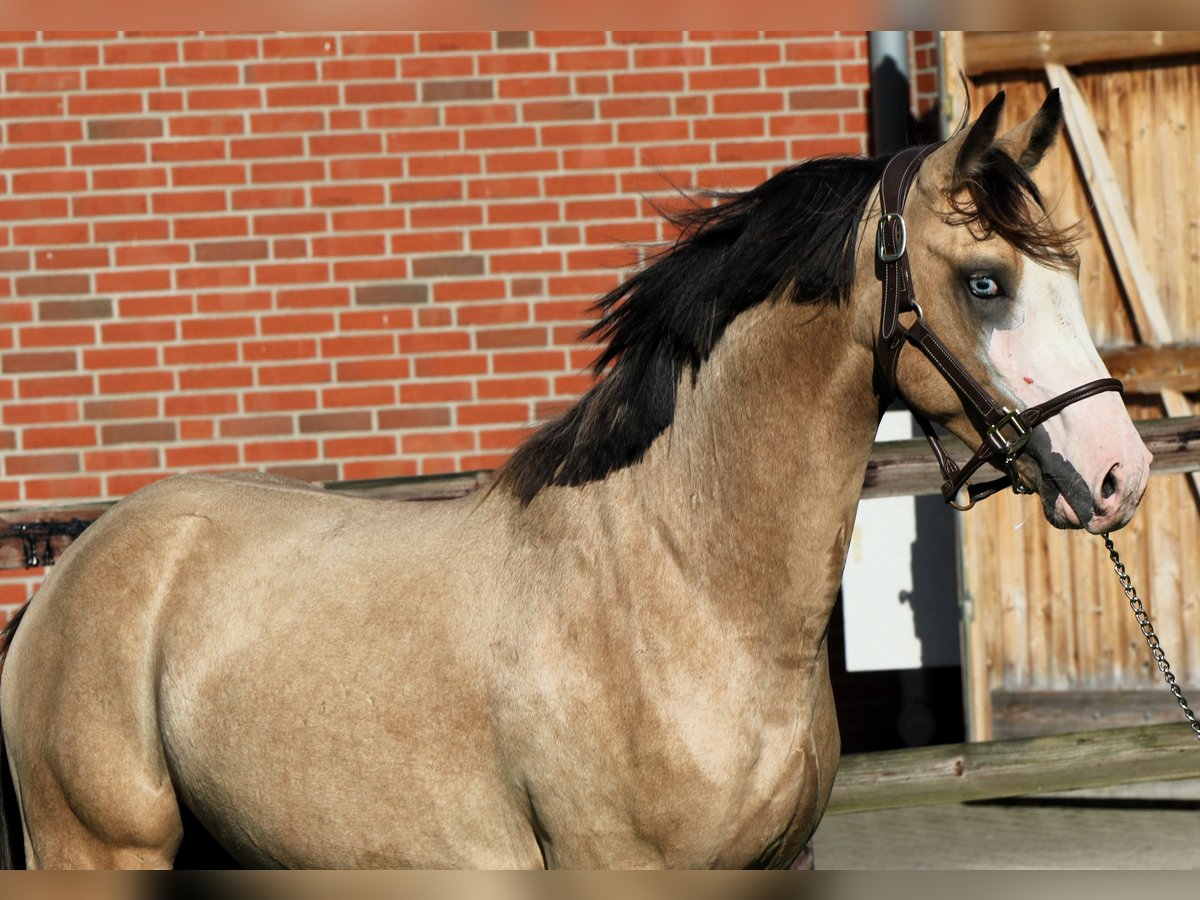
pixel 1006 432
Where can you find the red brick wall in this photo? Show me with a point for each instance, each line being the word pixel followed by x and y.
pixel 348 255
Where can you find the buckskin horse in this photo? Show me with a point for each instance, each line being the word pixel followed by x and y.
pixel 616 655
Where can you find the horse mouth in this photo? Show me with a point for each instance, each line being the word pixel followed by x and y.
pixel 1067 501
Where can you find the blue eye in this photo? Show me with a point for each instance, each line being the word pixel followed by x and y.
pixel 984 286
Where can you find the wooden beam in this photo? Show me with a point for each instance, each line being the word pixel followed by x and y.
pixel 1025 714
pixel 952 73
pixel 1102 185
pixel 1151 370
pixel 895 469
pixel 1003 51
pixel 960 772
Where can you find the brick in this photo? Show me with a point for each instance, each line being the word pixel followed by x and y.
pixel 492 314
pixel 365 395
pixel 503 263
pixel 52 285
pixel 62 488
pixel 373 370
pixel 635 108
pixel 291 273
pixel 18 466
pixel 433 241
pixel 200 404
pixel 559 110
pixel 120 358
pixel 358 69
pixel 437 66
pixel 139 408
pixel 140 177
pixel 123 129
pixel 74 386
pixel 414 417
pixel 260 351
pixel 265 73
pixel 202 456
pixel 200 354
pixel 41 208
pixel 130 280
pixel 306 472
pixel 434 342
pixel 50 81
pixel 271 451
pixel 294 223
pixel 379 294
pixel 225 251
pixel 567 135
pixel 224 98
pixel 540 86
pixel 67 310
pixel 58 437
pixel 299 323
pixel 491 413
pixel 137 433
pixel 436 392
pixel 303 96
pixel 216 377
pixel 510 213
pixel 74 55
pixel 339 421
pixel 258 426
pixel 535 161
pixel 44 132
pixel 193 75
pixel 437 442
pixel 31 107
pixel 104 104
pixel 137 382
pixel 41 413
pixel 358 345
pixel 290 121
pixel 298 298
pixel 116 460
pixel 445 266
pixel 508 388
pixel 725 104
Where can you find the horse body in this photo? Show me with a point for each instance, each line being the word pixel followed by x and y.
pixel 616 669
pixel 598 679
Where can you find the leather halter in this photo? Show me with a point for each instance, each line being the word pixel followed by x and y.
pixel 1007 431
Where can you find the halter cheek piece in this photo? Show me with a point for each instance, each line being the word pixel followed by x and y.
pixel 1007 431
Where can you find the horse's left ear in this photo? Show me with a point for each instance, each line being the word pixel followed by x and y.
pixel 1029 141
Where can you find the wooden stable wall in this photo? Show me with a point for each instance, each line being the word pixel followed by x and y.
pixel 1050 641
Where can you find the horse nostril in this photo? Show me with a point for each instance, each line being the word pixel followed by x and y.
pixel 1109 487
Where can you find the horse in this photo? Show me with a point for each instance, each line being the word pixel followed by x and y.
pixel 615 655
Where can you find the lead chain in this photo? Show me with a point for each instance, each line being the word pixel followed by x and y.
pixel 1143 620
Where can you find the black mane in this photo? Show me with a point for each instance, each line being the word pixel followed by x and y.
pixel 790 236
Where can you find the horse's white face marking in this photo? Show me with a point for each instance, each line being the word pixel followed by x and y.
pixel 1095 463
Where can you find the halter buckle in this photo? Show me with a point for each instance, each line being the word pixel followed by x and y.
pixel 1010 448
pixel 881 238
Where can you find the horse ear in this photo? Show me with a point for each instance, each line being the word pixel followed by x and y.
pixel 1029 141
pixel 978 140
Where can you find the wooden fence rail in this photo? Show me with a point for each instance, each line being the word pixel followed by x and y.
pixel 955 773
pixel 896 468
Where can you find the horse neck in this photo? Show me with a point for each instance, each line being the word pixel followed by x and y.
pixel 754 488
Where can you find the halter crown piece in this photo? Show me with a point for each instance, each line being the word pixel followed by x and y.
pixel 1006 431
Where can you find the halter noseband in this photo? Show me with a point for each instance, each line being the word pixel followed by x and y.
pixel 1008 431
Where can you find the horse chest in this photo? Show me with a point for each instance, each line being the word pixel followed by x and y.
pixel 691 778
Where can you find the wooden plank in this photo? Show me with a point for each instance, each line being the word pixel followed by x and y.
pixel 1025 714
pixel 960 772
pixel 951 74
pixel 895 469
pixel 1151 370
pixel 1001 51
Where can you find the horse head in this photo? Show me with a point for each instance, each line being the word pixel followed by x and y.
pixel 997 283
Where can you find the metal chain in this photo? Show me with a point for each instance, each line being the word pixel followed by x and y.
pixel 1143 620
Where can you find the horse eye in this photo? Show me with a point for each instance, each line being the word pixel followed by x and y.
pixel 984 286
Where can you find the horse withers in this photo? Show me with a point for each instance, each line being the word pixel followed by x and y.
pixel 614 657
